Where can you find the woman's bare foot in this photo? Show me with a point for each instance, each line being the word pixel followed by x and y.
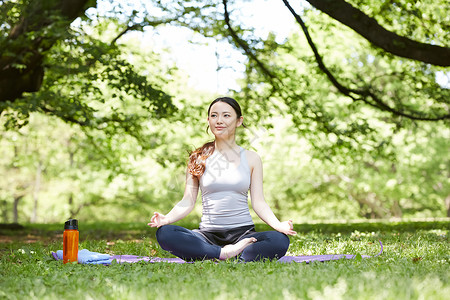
pixel 229 251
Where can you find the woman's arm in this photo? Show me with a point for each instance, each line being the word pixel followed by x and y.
pixel 182 208
pixel 259 204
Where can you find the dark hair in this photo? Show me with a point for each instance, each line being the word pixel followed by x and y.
pixel 197 158
pixel 231 102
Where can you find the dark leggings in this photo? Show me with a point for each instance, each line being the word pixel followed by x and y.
pixel 190 245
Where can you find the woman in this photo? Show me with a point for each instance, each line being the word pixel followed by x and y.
pixel 225 172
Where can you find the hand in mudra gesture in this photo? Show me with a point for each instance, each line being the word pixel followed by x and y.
pixel 158 220
pixel 287 227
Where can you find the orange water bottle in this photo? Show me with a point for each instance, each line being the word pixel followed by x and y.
pixel 70 241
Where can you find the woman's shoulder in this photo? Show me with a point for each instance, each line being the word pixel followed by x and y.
pixel 253 158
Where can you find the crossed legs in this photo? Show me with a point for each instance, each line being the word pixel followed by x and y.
pixel 190 245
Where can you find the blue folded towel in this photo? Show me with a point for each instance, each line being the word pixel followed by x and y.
pixel 87 257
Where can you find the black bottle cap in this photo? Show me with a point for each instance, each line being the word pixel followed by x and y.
pixel 71 224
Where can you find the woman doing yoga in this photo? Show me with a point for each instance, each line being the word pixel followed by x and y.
pixel 225 172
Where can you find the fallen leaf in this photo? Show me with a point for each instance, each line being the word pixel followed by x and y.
pixel 416 259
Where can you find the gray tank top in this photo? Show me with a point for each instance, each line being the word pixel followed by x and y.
pixel 224 193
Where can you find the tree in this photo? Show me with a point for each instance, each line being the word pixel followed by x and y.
pixel 38 40
pixel 363 160
pixel 114 172
pixel 362 92
pixel 365 92
pixel 36 26
pixel 351 101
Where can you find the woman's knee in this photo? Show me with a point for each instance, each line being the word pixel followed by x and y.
pixel 279 239
pixel 161 231
pixel 270 245
pixel 165 233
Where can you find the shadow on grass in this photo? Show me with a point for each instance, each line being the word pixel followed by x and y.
pixel 47 233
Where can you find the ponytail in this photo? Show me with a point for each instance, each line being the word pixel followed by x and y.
pixel 197 159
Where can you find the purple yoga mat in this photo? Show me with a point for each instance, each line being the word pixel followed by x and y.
pixel 284 259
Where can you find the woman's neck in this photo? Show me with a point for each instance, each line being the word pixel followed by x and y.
pixel 225 145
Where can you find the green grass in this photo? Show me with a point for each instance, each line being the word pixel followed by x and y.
pixel 415 265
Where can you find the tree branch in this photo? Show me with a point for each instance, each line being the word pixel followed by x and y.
pixel 371 30
pixel 141 25
pixel 243 44
pixel 360 94
pixel 65 117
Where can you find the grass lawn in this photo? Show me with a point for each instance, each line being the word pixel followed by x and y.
pixel 415 265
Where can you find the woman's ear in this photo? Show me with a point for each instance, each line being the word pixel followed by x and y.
pixel 240 121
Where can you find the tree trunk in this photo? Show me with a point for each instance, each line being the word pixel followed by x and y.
pixel 37 188
pixel 447 205
pixel 16 208
pixel 396 210
pixel 5 211
pixel 74 211
pixel 376 211
pixel 70 204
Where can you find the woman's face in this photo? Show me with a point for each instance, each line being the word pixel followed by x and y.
pixel 223 120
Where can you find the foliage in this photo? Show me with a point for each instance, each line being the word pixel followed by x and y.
pixel 118 145
pixel 214 19
pixel 414 265
pixel 115 171
pixel 306 183
pixel 351 160
pixel 427 21
pixel 79 64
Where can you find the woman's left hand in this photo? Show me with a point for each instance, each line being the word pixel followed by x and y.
pixel 287 227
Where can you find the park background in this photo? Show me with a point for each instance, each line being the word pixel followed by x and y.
pixel 346 102
pixel 118 96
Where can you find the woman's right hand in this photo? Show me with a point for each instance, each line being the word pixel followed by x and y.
pixel 158 220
